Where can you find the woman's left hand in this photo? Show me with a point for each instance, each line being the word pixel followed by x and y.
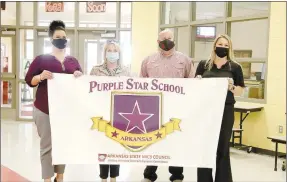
pixel 78 74
pixel 230 83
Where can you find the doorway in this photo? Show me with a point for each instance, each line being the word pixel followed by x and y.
pixel 45 45
pixel 8 75
pixel 91 46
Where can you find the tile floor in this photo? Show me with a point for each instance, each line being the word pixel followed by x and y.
pixel 20 153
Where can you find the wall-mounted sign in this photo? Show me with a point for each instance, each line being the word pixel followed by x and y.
pixel 43 33
pixel 54 6
pixel 95 7
pixel 108 35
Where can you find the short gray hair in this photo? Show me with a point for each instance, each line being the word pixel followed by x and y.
pixel 166 31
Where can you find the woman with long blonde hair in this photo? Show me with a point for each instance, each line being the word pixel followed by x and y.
pixel 111 67
pixel 221 64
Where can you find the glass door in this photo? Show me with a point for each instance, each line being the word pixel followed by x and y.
pixel 91 53
pixel 8 75
pixel 25 93
pixel 45 45
pixel 91 46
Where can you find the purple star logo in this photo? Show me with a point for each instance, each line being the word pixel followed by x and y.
pixel 136 119
pixel 136 113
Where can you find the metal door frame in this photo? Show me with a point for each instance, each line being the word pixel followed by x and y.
pixel 10 111
pixel 94 36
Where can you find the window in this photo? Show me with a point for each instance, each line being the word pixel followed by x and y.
pixel 247 45
pixel 47 48
pixel 196 27
pixel 249 8
pixel 126 14
pixel 6 94
pixel 26 51
pixel 27 13
pixel 8 16
pixel 204 36
pixel 182 39
pixel 91 54
pixel 209 10
pixel 26 101
pixel 97 14
pixel 29 47
pixel 25 31
pixel 7 54
pixel 29 34
pixel 251 38
pixel 48 11
pixel 126 47
pixel 176 12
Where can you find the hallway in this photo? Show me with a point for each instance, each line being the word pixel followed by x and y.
pixel 20 153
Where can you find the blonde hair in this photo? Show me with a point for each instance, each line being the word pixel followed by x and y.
pixel 230 56
pixel 106 48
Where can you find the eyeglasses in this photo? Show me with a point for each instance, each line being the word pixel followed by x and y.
pixel 111 41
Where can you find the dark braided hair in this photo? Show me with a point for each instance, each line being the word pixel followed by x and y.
pixel 56 25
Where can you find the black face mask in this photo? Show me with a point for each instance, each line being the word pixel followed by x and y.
pixel 166 45
pixel 221 51
pixel 60 43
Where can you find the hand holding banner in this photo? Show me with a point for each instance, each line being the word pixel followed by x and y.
pixel 123 120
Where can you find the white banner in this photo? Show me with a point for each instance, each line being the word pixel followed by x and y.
pixel 145 121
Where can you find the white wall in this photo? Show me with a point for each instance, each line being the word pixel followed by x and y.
pixel 144 32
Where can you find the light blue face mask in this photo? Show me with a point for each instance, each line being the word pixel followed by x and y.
pixel 112 56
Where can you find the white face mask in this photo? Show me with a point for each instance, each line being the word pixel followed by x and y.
pixel 112 56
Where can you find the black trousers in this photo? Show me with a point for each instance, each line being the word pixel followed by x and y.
pixel 176 173
pixel 105 169
pixel 223 167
